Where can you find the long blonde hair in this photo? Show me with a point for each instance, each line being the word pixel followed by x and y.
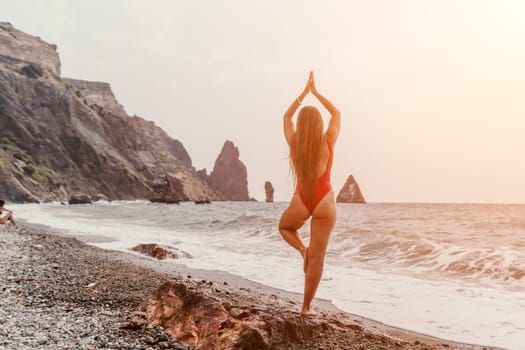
pixel 305 149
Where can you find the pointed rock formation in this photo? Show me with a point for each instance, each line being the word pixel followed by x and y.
pixel 268 188
pixel 350 193
pixel 229 176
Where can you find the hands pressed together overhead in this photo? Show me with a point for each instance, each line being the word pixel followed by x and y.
pixel 310 87
pixel 335 115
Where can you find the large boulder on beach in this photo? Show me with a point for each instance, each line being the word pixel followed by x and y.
pixel 161 252
pixel 167 189
pixel 193 317
pixel 350 192
pixel 80 198
pixel 268 189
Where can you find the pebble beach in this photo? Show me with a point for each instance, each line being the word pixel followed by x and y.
pixel 60 293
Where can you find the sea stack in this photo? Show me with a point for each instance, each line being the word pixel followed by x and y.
pixel 229 176
pixel 350 193
pixel 268 188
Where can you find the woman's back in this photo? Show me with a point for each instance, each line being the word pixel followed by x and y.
pixel 312 193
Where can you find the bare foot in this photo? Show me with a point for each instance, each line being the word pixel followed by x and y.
pixel 305 259
pixel 308 313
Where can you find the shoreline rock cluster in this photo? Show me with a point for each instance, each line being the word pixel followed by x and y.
pixel 61 293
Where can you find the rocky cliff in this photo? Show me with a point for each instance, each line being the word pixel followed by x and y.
pixel 229 176
pixel 59 136
pixel 350 192
pixel 27 48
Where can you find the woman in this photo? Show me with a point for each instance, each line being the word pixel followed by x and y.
pixel 9 217
pixel 311 154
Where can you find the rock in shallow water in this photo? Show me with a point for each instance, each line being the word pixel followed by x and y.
pixel 350 192
pixel 160 252
pixel 268 189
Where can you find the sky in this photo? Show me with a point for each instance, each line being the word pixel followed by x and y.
pixel 430 92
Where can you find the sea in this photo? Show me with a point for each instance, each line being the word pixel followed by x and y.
pixel 454 271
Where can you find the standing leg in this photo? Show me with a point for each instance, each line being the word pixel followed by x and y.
pixel 322 224
pixel 292 219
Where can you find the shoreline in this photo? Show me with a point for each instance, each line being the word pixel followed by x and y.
pixel 64 272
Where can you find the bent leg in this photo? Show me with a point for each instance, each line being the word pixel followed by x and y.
pixel 292 219
pixel 323 222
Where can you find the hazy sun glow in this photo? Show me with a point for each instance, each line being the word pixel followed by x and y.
pixel 431 92
pixel 513 13
pixel 501 20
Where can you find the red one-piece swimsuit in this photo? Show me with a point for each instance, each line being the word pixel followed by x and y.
pixel 322 184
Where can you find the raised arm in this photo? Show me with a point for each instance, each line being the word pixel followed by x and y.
pixel 289 129
pixel 335 116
